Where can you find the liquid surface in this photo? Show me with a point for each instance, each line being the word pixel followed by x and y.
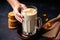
pixel 29 11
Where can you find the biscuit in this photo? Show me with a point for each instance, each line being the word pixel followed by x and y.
pixel 11 15
pixel 12 22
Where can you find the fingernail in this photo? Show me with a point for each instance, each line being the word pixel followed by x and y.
pixel 22 16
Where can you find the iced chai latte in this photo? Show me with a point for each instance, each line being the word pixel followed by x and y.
pixel 29 23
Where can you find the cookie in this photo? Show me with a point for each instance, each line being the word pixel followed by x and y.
pixel 12 22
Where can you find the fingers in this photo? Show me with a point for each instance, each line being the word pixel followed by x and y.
pixel 16 10
pixel 17 14
pixel 19 18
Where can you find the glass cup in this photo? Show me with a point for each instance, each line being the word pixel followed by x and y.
pixel 31 20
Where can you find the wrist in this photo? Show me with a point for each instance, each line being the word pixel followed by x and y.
pixel 17 3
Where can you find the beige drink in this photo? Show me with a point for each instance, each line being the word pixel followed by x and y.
pixel 29 23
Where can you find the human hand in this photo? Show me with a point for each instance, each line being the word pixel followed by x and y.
pixel 17 14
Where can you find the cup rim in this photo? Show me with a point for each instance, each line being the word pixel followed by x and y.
pixel 32 6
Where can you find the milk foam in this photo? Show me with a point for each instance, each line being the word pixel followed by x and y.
pixel 29 11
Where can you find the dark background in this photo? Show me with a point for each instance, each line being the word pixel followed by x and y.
pixel 50 7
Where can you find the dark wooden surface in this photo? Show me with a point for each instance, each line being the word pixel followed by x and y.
pixel 52 11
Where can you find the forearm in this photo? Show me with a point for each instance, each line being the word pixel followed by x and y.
pixel 13 3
